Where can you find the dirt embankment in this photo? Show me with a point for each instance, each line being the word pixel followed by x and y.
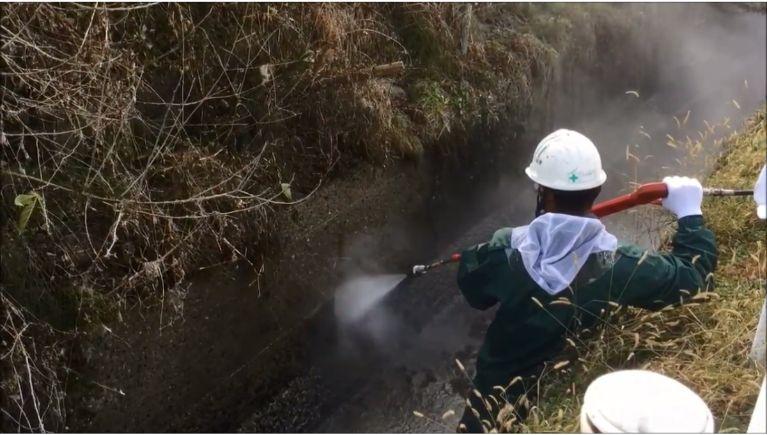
pixel 243 334
pixel 405 162
pixel 142 143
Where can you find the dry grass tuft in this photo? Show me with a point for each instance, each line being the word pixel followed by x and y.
pixel 33 397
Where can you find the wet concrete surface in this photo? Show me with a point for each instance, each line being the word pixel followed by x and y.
pixel 418 333
pixel 369 375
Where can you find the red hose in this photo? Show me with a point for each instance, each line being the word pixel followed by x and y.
pixel 644 194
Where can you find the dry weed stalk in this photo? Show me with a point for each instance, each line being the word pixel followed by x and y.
pixel 32 399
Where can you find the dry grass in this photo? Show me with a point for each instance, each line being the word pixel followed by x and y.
pixel 29 363
pixel 705 344
pixel 141 128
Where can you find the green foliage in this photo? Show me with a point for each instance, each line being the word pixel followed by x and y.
pixel 434 103
pixel 28 203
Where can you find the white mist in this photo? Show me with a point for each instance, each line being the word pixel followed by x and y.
pixel 359 294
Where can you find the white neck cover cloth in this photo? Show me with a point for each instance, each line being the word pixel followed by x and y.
pixel 555 246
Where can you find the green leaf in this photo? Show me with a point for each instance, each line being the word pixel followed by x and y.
pixel 25 199
pixel 286 191
pixel 27 202
pixel 24 216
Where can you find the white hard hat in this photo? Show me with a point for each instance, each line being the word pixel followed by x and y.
pixel 760 194
pixel 566 160
pixel 640 401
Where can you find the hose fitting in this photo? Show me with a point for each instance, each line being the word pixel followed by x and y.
pixel 419 269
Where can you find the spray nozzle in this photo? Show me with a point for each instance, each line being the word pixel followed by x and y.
pixel 419 269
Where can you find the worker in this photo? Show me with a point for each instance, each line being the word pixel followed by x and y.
pixel 564 271
pixel 641 401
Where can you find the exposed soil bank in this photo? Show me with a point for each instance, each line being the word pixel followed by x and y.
pixel 263 352
pixel 242 335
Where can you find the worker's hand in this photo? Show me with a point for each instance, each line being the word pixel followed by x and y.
pixel 684 196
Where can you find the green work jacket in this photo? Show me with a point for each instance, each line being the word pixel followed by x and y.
pixel 530 325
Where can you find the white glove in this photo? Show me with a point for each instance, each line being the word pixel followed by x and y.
pixel 684 196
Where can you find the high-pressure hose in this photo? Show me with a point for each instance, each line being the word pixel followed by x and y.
pixel 644 194
pixel 651 192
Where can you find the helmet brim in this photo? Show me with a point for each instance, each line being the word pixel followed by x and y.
pixel 531 174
